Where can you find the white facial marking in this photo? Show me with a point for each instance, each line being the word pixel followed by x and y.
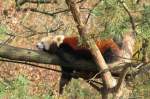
pixel 47 46
pixel 59 39
pixel 40 46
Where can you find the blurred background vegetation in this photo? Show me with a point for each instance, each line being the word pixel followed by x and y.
pixel 25 28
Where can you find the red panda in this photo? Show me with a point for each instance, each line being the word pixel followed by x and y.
pixel 60 44
pixel 108 47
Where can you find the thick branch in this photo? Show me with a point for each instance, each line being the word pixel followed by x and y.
pixel 24 56
pixel 121 83
pixel 21 54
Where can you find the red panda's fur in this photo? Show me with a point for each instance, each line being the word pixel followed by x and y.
pixel 107 47
pixel 103 45
pixel 60 44
pixel 70 46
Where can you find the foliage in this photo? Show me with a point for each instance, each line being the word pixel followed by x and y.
pixel 3 31
pixel 116 21
pixel 145 22
pixel 18 89
pixel 78 89
pixel 141 91
pixel 112 17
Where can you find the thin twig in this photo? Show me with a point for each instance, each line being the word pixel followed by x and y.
pixel 37 33
pixel 133 26
pixel 7 41
pixel 27 63
pixel 42 12
pixel 88 17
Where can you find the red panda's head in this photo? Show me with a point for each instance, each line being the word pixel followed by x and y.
pixel 47 42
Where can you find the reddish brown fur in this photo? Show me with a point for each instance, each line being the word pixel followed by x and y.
pixel 103 45
pixel 125 50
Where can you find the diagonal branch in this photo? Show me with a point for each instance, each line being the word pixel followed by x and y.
pixel 107 77
pixel 121 83
pixel 130 16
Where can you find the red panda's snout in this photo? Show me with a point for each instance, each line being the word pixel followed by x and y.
pixel 40 46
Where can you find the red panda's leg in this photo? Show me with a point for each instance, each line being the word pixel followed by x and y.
pixel 64 80
pixel 66 72
pixel 116 51
pixel 67 57
pixel 111 51
pixel 115 48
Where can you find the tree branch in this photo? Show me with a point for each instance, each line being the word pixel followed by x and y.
pixel 107 77
pixel 130 16
pixel 28 55
pixel 21 2
pixel 121 83
pixel 29 63
pixel 43 12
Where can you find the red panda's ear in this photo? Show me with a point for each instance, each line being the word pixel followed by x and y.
pixel 59 39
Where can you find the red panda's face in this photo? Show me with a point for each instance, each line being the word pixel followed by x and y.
pixel 40 46
pixel 46 42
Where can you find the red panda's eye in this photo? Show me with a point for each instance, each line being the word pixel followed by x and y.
pixel 42 43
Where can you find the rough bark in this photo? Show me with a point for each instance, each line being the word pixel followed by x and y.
pixel 28 55
pixel 22 54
